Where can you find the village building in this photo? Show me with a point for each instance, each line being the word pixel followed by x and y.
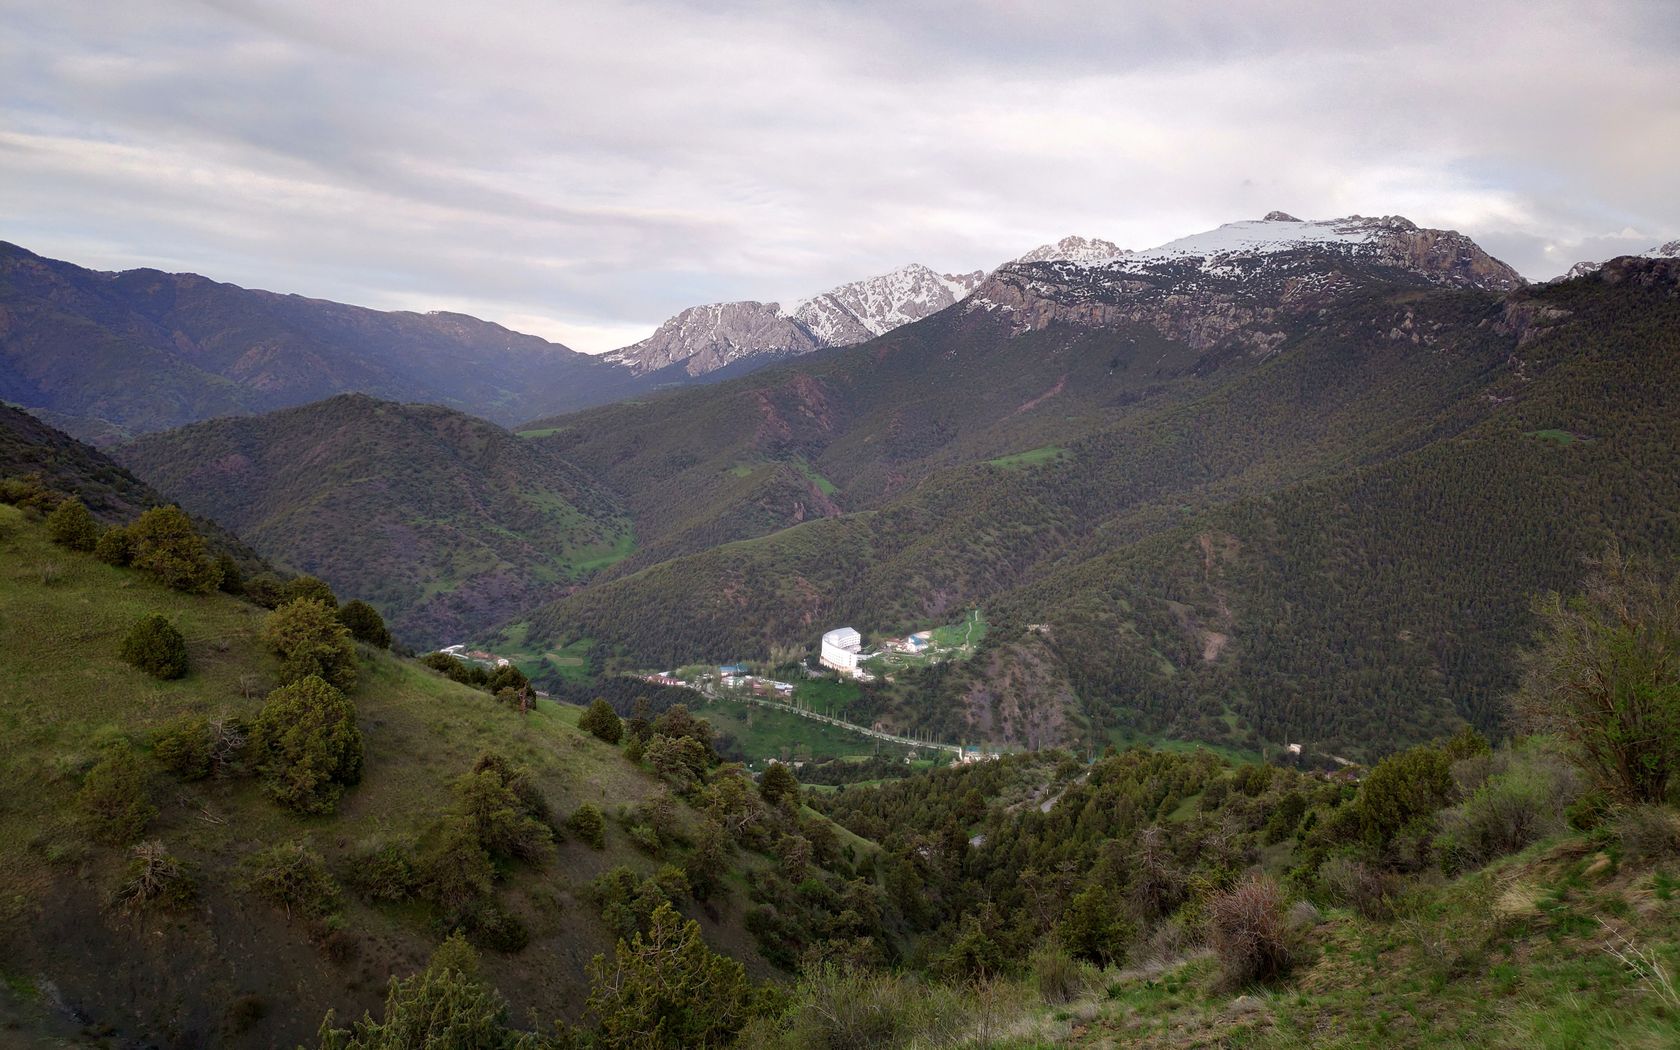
pixel 842 651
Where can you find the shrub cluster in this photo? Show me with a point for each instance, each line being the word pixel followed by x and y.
pixel 310 641
pixel 155 646
pixel 306 745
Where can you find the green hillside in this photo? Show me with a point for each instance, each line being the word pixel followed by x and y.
pixel 1261 555
pixel 440 520
pixel 231 968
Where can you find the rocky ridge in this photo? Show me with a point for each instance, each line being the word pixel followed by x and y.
pixel 1236 280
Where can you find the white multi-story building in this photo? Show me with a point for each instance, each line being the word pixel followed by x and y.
pixel 842 649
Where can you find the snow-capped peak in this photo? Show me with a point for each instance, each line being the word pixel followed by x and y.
pixel 874 306
pixel 1082 251
pixel 1670 250
pixel 706 338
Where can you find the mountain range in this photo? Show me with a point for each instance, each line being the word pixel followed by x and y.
pixel 1191 486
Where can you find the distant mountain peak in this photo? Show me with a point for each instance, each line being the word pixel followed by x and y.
pixel 1085 251
pixel 1667 250
pixel 706 338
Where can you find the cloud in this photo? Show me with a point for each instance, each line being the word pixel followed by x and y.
pixel 585 170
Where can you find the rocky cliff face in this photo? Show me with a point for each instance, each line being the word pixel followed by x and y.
pixel 706 338
pixel 1237 280
pixel 865 309
pixel 1670 250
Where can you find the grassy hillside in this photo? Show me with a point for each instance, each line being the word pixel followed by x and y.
pixel 442 521
pixel 232 969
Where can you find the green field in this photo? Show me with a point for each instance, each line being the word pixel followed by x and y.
pixel 763 732
pixel 953 641
pixel 1561 437
pixel 1034 457
pixel 827 696
pixel 541 433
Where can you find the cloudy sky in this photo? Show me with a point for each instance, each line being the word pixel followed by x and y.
pixel 583 170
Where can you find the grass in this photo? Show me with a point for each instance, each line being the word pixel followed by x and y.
pixel 1034 457
pixel 825 486
pixel 827 696
pixel 1561 437
pixel 541 432
pixel 64 693
pixel 764 732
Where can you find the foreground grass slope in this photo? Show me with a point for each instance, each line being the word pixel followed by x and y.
pixel 232 969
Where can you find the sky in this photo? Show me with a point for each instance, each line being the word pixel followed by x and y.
pixel 581 171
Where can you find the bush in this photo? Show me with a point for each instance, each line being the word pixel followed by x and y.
pixel 1603 678
pixel 384 869
pixel 448 1005
pixel 498 819
pixel 455 872
pixel 294 877
pixel 1367 890
pixel 1524 803
pixel 1249 929
pixel 307 588
pixel 307 746
pixel 156 647
pixel 846 1008
pixel 113 800
pixel 1648 833
pixel 365 624
pixel 666 989
pixel 70 525
pixel 306 635
pixel 1400 789
pixel 1093 929
pixel 114 547
pixel 587 824
pixel 601 720
pixel 1058 976
pixel 166 545
pixel 183 746
pixel 153 879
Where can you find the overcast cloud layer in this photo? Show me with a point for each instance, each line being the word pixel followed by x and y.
pixel 583 170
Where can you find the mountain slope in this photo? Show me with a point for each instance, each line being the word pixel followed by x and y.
pixel 1243 555
pixel 143 350
pixel 440 520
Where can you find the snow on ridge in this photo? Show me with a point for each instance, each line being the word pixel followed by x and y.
pixel 1081 251
pixel 1276 233
pixel 1670 250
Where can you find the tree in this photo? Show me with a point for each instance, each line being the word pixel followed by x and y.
pixel 601 720
pixel 498 818
pixel 1606 677
pixel 310 587
pixel 445 1006
pixel 307 746
pixel 166 545
pixel 309 640
pixel 364 623
pixel 114 547
pixel 1093 928
pixel 156 647
pixel 113 798
pixel 183 746
pixel 586 821
pixel 679 761
pixel 666 989
pixel 70 525
pixel 778 786
pixel 1402 788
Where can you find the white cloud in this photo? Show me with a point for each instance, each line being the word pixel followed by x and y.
pixel 584 170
